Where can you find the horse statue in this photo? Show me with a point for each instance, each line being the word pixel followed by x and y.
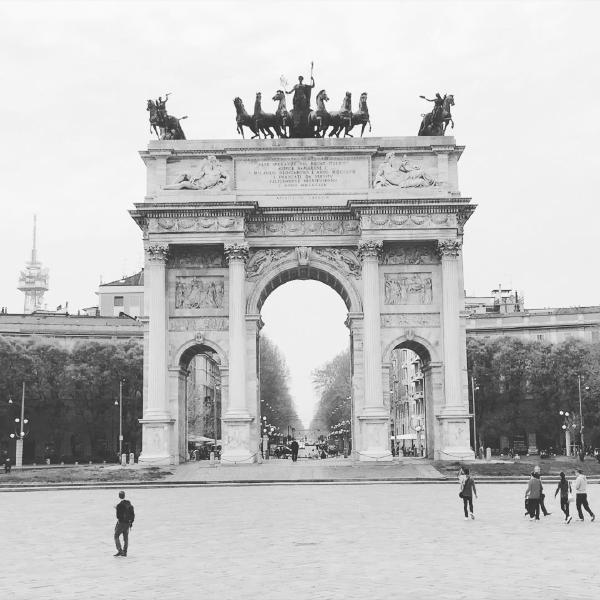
pixel 166 127
pixel 285 119
pixel 264 121
pixel 243 119
pixel 359 118
pixel 341 119
pixel 435 122
pixel 320 119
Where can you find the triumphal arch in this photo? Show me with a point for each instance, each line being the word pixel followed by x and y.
pixel 380 220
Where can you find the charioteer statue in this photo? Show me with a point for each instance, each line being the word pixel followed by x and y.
pixel 435 122
pixel 301 102
pixel 166 127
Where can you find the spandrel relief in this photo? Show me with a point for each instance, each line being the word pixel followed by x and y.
pixel 345 260
pixel 408 288
pixel 261 259
pixel 199 292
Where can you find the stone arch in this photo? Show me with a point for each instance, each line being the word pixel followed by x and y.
pixel 416 343
pixel 189 349
pixel 317 270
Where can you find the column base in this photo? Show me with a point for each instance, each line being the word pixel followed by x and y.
pixel 156 441
pixel 374 445
pixel 236 439
pixel 455 435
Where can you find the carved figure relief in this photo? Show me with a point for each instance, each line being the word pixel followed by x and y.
pixel 211 175
pixel 409 255
pixel 202 258
pixel 399 172
pixel 199 292
pixel 333 227
pixel 261 259
pixel 345 260
pixel 408 288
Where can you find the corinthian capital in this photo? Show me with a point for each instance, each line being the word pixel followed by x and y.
pixel 449 248
pixel 369 248
pixel 157 252
pixel 236 252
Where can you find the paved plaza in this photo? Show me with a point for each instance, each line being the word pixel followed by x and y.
pixel 317 541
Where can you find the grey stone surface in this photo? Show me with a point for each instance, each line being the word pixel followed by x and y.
pixel 314 541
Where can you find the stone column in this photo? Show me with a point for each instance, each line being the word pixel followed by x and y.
pixel 157 422
pixel 236 420
pixel 454 414
pixel 374 418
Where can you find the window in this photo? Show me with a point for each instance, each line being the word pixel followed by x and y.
pixel 119 301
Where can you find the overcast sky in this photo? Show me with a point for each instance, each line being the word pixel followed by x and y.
pixel 76 77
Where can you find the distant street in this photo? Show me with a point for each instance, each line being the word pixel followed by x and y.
pixel 299 542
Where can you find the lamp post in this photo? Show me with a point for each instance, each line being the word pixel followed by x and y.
pixel 474 387
pixel 582 452
pixel 119 403
pixel 568 421
pixel 215 388
pixel 20 433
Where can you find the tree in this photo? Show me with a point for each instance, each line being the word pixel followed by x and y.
pixel 334 383
pixel 276 401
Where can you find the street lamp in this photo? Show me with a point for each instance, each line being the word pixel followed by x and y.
pixel 215 388
pixel 582 452
pixel 567 423
pixel 474 388
pixel 20 433
pixel 119 403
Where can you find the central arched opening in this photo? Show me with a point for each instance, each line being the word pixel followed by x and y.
pixel 200 367
pixel 305 338
pixel 408 394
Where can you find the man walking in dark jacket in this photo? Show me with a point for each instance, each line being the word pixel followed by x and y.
pixel 295 447
pixel 125 517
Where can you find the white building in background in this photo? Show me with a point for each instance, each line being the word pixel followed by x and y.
pixel 124 295
pixel 33 281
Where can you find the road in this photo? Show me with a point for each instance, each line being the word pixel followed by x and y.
pixel 320 541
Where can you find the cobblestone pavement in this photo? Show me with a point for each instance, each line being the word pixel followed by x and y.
pixel 320 541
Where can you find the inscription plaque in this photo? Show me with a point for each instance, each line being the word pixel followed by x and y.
pixel 300 173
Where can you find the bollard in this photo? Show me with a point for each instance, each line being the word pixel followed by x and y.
pixel 76 462
pixel 123 460
pixel 131 458
pixel 47 461
pixel 488 454
pixel 212 458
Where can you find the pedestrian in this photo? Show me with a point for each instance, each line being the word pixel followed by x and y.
pixel 564 487
pixel 467 489
pixel 7 464
pixel 537 470
pixel 581 495
pixel 533 495
pixel 125 518
pixel 294 446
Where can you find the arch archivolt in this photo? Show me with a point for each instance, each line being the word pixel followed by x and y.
pixel 187 346
pixel 412 342
pixel 289 269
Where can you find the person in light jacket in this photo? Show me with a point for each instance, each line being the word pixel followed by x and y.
pixel 533 494
pixel 581 495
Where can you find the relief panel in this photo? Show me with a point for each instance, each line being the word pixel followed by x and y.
pixel 199 292
pixel 408 288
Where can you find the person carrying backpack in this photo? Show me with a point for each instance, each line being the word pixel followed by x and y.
pixel 125 518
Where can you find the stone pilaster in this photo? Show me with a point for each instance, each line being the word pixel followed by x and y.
pixel 237 419
pixel 454 413
pixel 374 417
pixel 157 422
